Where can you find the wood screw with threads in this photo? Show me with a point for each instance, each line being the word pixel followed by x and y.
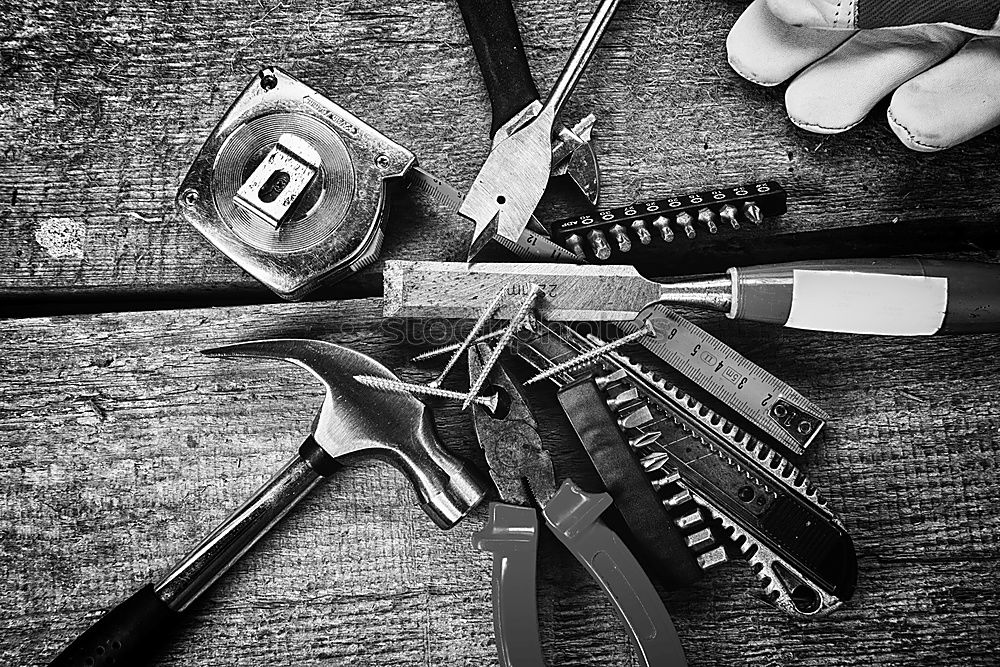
pixel 399 387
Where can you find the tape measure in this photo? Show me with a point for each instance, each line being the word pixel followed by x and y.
pixel 761 398
pixel 291 186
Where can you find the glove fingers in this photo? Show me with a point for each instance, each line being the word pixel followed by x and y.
pixel 950 103
pixel 981 16
pixel 768 51
pixel 837 92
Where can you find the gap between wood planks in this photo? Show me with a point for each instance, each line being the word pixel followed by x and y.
pixel 45 302
pixel 963 240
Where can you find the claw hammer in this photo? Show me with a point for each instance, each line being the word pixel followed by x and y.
pixel 352 420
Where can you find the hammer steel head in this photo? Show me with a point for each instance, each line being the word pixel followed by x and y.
pixel 355 419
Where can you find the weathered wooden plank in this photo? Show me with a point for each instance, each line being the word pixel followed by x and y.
pixel 106 103
pixel 120 445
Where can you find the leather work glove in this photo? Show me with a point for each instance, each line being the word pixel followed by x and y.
pixel 939 59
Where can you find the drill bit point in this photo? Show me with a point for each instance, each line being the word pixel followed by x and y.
pixel 663 224
pixel 708 217
pixel 575 244
pixel 644 440
pixel 654 461
pixel 645 238
pixel 599 244
pixel 728 213
pixel 686 221
pixel 487 234
pixel 621 237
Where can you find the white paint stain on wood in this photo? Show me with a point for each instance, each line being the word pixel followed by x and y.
pixel 61 237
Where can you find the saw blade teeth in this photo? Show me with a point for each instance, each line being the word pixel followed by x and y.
pixel 726 435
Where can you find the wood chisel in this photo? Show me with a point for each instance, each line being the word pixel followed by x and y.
pixel 510 183
pixel 900 296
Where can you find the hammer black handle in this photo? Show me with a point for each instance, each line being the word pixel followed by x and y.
pixel 497 43
pixel 129 634
pixel 133 632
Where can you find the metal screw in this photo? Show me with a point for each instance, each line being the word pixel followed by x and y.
pixel 397 387
pixel 190 197
pixel 576 362
pixel 438 351
pixel 382 161
pixel 508 333
pixel 268 81
pixel 490 310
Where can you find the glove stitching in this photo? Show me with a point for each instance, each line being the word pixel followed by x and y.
pixel 912 137
pixel 836 17
pixel 807 126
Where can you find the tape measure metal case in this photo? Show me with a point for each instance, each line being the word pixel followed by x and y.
pixel 292 187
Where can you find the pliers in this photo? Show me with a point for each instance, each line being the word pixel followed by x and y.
pixel 524 476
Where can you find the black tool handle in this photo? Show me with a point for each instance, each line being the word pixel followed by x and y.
pixel 128 634
pixel 132 632
pixel 659 541
pixel 497 42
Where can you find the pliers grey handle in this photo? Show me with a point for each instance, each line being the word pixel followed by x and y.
pixel 573 515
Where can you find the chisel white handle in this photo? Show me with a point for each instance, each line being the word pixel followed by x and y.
pixel 895 296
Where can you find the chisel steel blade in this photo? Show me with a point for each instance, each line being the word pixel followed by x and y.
pixel 571 293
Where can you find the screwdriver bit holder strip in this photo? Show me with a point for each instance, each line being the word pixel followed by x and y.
pixel 630 234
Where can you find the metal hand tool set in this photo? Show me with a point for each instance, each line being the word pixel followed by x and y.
pixel 692 441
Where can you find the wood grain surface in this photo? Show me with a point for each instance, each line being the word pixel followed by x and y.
pixel 120 445
pixel 106 103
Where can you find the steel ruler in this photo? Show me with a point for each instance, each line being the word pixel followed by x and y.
pixel 758 396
